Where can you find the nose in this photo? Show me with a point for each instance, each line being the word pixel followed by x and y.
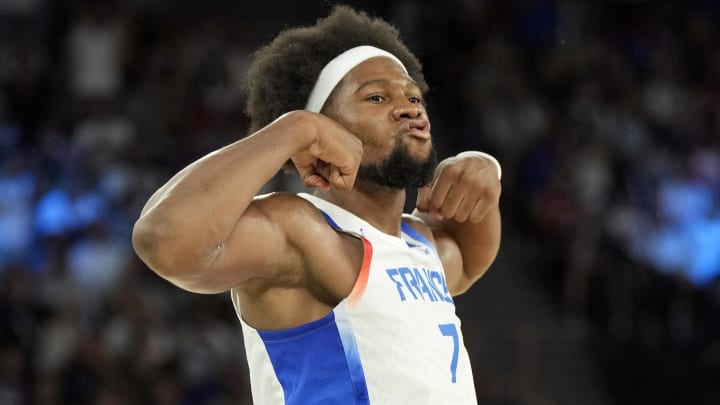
pixel 406 109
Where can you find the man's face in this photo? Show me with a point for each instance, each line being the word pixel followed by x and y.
pixel 379 103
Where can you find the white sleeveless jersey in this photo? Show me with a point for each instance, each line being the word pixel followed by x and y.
pixel 394 340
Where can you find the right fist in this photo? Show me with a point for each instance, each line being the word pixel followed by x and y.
pixel 333 157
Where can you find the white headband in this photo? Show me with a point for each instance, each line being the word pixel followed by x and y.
pixel 337 68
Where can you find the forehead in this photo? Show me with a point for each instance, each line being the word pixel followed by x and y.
pixel 374 69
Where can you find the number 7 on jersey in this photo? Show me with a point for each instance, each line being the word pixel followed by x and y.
pixel 449 329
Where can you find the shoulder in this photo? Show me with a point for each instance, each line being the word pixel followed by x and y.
pixel 285 207
pixel 302 222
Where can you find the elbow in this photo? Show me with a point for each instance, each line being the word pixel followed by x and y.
pixel 146 244
pixel 171 257
pixel 481 267
pixel 151 243
pixel 468 278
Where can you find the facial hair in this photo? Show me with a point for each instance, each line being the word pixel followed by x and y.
pixel 400 170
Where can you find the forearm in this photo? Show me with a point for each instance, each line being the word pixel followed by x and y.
pixel 197 209
pixel 479 243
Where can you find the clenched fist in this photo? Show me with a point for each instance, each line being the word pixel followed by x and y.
pixel 332 158
pixel 464 188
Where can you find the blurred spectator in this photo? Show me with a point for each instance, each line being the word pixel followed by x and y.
pixel 17 188
pixel 95 53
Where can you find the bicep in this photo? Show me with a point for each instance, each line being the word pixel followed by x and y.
pixel 448 251
pixel 257 247
pixel 451 257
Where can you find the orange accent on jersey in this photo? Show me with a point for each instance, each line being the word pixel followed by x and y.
pixel 362 279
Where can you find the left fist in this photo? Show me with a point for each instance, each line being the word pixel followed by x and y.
pixel 464 188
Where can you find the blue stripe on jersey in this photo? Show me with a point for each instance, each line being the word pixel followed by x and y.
pixel 410 231
pixel 315 364
pixel 330 221
pixel 352 355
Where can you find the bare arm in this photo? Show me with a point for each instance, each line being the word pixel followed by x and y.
pixel 466 249
pixel 461 208
pixel 202 230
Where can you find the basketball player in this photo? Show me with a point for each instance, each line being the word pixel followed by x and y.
pixel 342 298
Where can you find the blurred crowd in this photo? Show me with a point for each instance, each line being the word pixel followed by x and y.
pixel 605 115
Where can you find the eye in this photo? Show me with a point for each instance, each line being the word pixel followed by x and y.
pixel 415 100
pixel 376 98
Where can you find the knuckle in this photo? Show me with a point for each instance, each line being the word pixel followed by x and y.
pixel 461 216
pixel 447 210
pixel 435 203
pixel 476 216
pixel 453 170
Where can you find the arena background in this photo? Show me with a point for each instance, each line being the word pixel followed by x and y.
pixel 604 114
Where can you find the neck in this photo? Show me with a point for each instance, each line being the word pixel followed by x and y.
pixel 380 206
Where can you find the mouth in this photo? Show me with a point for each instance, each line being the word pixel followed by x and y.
pixel 416 128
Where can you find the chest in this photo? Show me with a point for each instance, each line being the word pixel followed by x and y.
pixel 400 274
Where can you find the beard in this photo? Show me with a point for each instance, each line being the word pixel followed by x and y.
pixel 400 170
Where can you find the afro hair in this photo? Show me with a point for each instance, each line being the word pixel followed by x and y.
pixel 284 72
